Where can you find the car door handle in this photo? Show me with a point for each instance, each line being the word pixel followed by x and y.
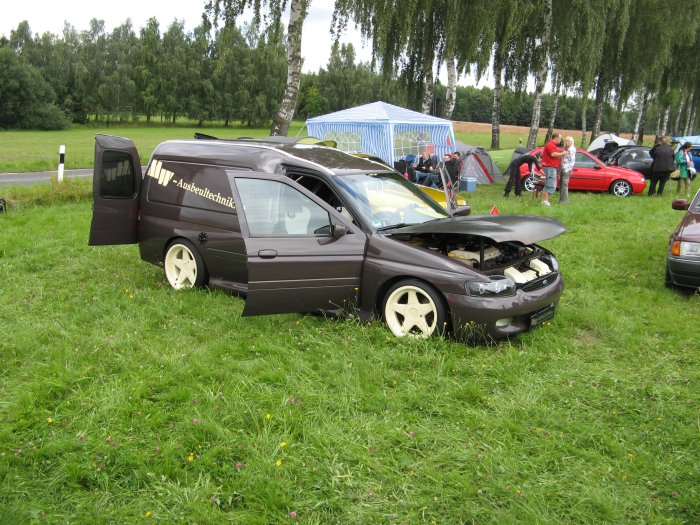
pixel 267 254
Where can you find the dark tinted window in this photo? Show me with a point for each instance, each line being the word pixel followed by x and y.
pixel 190 185
pixel 117 175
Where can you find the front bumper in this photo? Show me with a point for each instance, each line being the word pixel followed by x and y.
pixel 684 271
pixel 501 317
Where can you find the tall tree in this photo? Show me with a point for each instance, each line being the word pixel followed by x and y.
pixel 541 73
pixel 230 9
pixel 509 17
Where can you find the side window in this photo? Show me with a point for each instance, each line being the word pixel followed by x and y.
pixel 273 208
pixel 584 161
pixel 117 175
pixel 322 191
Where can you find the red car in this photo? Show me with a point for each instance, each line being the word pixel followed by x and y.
pixel 590 174
pixel 683 259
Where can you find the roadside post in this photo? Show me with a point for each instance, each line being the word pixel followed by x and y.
pixel 61 160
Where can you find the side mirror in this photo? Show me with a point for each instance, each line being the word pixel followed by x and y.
pixel 462 211
pixel 339 230
pixel 680 204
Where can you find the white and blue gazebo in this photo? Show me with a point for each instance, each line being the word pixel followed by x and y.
pixel 387 131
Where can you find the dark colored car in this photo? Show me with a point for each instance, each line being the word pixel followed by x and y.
pixel 590 174
pixel 302 228
pixel 683 260
pixel 635 158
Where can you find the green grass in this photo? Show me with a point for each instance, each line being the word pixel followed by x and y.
pixel 123 401
pixel 25 151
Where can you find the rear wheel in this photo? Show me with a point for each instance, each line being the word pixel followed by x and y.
pixel 184 267
pixel 413 308
pixel 529 183
pixel 621 188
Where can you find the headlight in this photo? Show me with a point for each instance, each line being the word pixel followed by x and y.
pixel 690 248
pixel 498 286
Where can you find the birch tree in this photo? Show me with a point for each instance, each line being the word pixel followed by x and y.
pixel 229 10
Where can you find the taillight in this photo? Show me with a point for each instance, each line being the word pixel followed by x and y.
pixel 676 248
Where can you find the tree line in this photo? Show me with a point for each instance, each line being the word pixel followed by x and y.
pixel 627 65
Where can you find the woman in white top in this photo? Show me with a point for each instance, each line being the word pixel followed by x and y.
pixel 567 164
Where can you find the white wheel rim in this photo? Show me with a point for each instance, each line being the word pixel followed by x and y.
pixel 621 189
pixel 529 183
pixel 411 312
pixel 180 267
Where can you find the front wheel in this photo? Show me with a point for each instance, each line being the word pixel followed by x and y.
pixel 621 188
pixel 529 183
pixel 414 309
pixel 184 267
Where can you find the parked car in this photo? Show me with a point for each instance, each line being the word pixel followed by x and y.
pixel 683 259
pixel 635 158
pixel 301 228
pixel 590 174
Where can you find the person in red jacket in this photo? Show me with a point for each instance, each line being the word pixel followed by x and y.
pixel 551 160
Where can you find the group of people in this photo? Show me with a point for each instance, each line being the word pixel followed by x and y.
pixel 666 163
pixel 427 172
pixel 558 158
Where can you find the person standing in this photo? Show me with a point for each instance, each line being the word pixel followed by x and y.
pixel 661 167
pixel 514 172
pixel 567 166
pixel 683 161
pixel 551 161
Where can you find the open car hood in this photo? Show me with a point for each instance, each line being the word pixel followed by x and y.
pixel 527 229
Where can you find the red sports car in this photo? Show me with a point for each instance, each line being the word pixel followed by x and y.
pixel 590 174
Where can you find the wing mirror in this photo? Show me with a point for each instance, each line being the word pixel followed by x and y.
pixel 339 230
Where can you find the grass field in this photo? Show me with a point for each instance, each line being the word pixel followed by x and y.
pixel 24 151
pixel 123 401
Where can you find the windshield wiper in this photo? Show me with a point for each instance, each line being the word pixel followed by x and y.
pixel 393 226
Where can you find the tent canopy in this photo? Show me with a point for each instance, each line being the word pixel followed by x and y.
pixel 601 140
pixel 387 131
pixel 693 139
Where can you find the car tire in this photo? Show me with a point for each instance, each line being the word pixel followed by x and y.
pixel 412 308
pixel 184 267
pixel 621 188
pixel 529 183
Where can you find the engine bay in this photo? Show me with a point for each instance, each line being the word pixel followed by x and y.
pixel 521 263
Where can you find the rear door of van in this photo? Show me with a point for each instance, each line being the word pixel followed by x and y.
pixel 116 186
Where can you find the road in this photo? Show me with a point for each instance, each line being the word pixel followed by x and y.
pixel 40 176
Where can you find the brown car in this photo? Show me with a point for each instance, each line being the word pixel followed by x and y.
pixel 683 260
pixel 300 228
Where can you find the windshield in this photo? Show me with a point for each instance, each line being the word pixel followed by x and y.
pixel 386 200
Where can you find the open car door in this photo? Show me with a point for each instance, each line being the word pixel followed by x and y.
pixel 116 185
pixel 301 256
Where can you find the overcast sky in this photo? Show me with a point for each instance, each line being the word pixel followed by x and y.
pixel 49 15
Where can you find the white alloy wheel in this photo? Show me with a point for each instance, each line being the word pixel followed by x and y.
pixel 413 309
pixel 183 266
pixel 621 188
pixel 529 183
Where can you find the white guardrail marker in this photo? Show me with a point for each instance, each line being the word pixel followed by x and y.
pixel 61 160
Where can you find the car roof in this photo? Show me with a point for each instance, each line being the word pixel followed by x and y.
pixel 265 154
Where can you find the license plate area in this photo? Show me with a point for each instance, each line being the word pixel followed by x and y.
pixel 543 315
